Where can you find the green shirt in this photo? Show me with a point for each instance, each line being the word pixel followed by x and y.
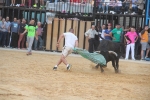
pixel 31 30
pixel 116 34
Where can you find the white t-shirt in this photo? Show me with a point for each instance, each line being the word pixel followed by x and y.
pixel 70 39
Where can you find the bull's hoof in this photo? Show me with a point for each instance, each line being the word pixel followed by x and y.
pixel 104 66
pixel 102 71
pixel 96 67
pixel 116 71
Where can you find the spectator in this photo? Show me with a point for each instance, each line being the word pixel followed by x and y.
pixel 148 45
pixel 126 6
pixel 38 37
pixel 8 31
pixel 91 37
pixel 134 7
pixel 112 5
pixel 13 2
pixel 0 18
pixel 3 33
pixel 21 35
pixel 42 4
pixel 31 29
pixel 137 43
pixel 144 41
pixel 102 32
pixel 140 4
pixel 105 5
pixel 132 38
pixel 23 2
pixel 35 3
pixel 29 3
pixel 107 31
pixel 116 33
pixel 100 5
pixel 118 7
pixel 117 36
pixel 14 31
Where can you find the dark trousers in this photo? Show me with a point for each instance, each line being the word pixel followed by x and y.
pixel 8 37
pixel 4 34
pixel 3 38
pixel 137 45
pixel 14 40
pixel 7 2
pixel 36 43
pixel 92 45
pixel 0 38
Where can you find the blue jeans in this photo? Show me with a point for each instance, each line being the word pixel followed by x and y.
pixel 135 9
pixel 103 7
pixel 36 42
pixel 117 8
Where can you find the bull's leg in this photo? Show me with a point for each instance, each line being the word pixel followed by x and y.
pixel 117 65
pixel 114 65
pixel 97 66
pixel 102 70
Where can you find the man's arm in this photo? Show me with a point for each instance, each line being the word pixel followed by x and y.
pixel 110 34
pixel 24 32
pixel 87 33
pixel 76 43
pixel 36 35
pixel 96 32
pixel 61 36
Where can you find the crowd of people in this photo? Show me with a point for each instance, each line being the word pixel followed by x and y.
pixel 119 6
pixel 15 34
pixel 103 6
pixel 132 38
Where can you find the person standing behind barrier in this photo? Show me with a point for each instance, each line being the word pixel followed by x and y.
pixel 133 37
pixel 14 31
pixel 38 37
pixel 91 36
pixel 102 32
pixel 21 35
pixel 144 41
pixel 3 32
pixel 117 37
pixel 116 33
pixel 31 29
pixel 71 41
pixel 106 33
pixel 8 31
pixel 148 45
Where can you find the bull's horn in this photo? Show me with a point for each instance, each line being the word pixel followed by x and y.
pixel 113 53
pixel 98 51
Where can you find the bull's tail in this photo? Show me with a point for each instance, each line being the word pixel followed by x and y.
pixel 112 52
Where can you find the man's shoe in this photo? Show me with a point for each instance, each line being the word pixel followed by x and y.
pixel 34 5
pixel 69 66
pixel 54 68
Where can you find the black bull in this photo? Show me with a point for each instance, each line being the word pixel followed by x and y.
pixel 107 45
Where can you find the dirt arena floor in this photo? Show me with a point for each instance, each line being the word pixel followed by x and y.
pixel 32 78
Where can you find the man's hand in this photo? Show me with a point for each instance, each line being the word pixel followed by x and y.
pixel 89 38
pixel 36 38
pixel 57 45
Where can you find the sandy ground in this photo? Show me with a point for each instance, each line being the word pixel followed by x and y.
pixel 32 78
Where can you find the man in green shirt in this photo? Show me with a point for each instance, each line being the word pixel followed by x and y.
pixel 116 33
pixel 31 29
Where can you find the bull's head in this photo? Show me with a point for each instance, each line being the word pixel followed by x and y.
pixel 111 52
